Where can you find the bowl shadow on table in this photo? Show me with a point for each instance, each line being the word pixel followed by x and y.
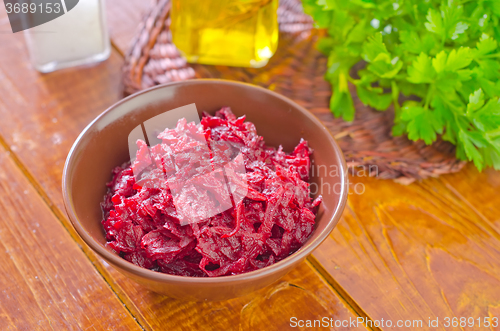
pixel 299 294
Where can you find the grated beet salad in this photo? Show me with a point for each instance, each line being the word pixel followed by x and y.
pixel 271 221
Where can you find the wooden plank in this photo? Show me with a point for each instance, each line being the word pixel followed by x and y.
pixel 51 110
pixel 47 282
pixel 43 114
pixel 479 193
pixel 415 252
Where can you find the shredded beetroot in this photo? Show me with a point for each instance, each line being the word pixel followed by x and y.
pixel 273 220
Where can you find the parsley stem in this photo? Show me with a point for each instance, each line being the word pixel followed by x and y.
pixel 428 97
pixel 456 112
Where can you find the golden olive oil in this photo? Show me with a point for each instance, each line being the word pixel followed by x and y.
pixel 226 32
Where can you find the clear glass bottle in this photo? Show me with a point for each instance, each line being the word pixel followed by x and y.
pixel 78 37
pixel 226 32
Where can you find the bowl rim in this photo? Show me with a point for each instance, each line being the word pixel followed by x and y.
pixel 118 261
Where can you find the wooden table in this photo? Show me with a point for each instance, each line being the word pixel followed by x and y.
pixel 400 253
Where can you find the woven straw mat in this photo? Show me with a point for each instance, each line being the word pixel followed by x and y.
pixel 296 71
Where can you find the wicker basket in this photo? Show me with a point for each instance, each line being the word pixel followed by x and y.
pixel 296 71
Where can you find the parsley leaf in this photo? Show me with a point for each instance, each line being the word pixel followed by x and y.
pixel 435 23
pixel 442 55
pixel 421 70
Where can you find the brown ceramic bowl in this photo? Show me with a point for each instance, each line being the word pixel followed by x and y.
pixel 103 145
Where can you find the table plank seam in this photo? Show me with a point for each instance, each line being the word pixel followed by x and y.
pixel 115 288
pixel 337 288
pixel 116 48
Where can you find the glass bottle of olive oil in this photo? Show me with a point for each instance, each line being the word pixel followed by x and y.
pixel 226 32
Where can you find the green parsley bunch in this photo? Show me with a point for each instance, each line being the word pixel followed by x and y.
pixel 436 62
